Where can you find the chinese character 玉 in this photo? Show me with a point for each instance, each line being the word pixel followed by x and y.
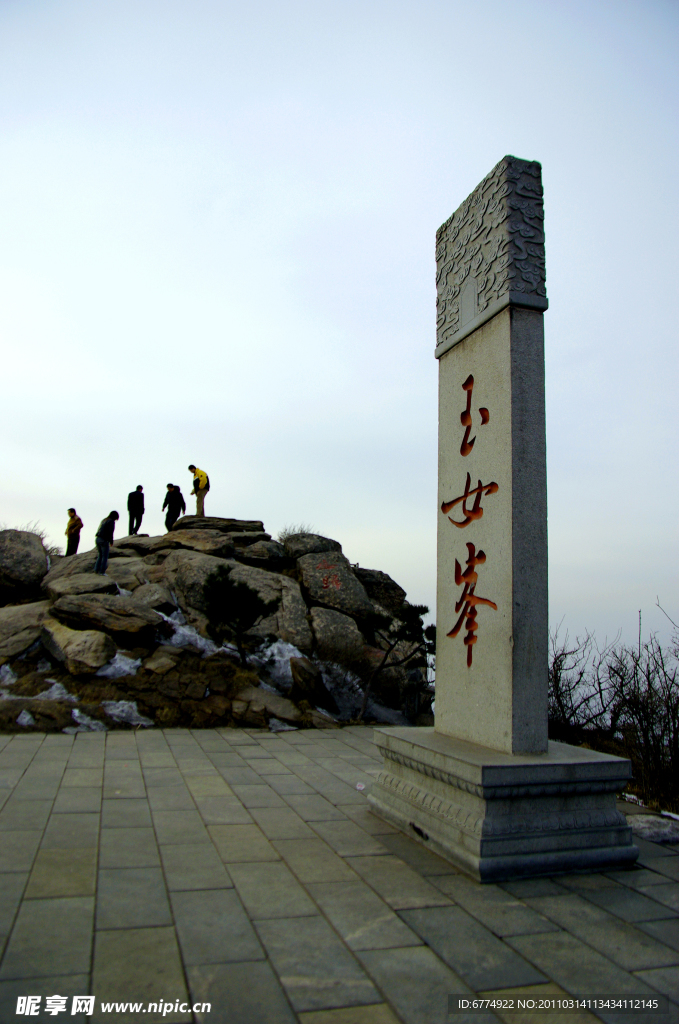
pixel 466 417
pixel 475 512
pixel 469 601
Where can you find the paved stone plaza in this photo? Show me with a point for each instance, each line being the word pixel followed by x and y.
pixel 244 869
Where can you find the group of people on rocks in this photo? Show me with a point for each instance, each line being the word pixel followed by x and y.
pixel 174 503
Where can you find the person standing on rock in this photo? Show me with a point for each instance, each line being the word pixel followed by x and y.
pixel 103 540
pixel 175 505
pixel 135 506
pixel 201 485
pixel 73 528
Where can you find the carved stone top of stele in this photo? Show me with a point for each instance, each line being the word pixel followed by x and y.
pixel 491 252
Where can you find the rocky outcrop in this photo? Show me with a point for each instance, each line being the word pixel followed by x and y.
pixel 23 564
pixel 138 636
pixel 328 580
pixel 82 651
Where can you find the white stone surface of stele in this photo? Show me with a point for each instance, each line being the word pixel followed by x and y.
pixel 484 787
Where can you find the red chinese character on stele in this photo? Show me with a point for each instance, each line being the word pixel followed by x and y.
pixel 469 600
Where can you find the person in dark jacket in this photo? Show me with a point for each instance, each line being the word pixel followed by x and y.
pixel 103 540
pixel 175 505
pixel 135 506
pixel 73 528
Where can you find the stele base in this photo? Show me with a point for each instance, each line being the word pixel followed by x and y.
pixel 500 816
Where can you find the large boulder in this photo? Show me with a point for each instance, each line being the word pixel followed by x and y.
pixel 298 544
pixel 381 589
pixel 71 566
pixel 20 627
pixel 82 583
pixel 23 564
pixel 217 523
pixel 308 685
pixel 337 636
pixel 207 542
pixel 82 651
pixel 127 622
pixel 140 545
pixel 329 581
pixel 156 596
pixel 268 554
pixel 289 621
pixel 128 573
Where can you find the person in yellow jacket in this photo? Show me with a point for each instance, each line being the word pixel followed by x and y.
pixel 73 528
pixel 201 485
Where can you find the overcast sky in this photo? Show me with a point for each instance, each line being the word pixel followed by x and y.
pixel 217 226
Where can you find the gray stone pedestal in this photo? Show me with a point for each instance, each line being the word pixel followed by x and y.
pixel 498 815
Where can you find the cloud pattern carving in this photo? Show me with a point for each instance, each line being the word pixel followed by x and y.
pixel 495 238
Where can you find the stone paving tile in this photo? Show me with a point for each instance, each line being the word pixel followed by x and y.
pixel 68 872
pixel 158 778
pixel 50 937
pixel 219 810
pixel 370 823
pixel 24 814
pixel 131 898
pixel 495 908
pixel 68 985
pixel 378 1013
pixel 125 814
pixel 647 849
pixel 71 832
pixel 241 993
pixel 270 890
pixel 259 795
pixel 128 848
pixel 630 905
pixel 138 965
pixel 537 992
pixel 417 856
pixel 170 798
pixel 312 861
pixel 12 885
pixel 666 932
pixel 213 927
pixel 587 883
pixel 281 823
pixel 668 866
pixel 313 807
pixel 78 800
pixel 664 979
pixel 348 840
pixel 270 767
pixel 313 965
pixel 37 788
pixel 576 967
pixel 417 984
pixel 667 894
pixel 241 843
pixel 632 949
pixel 525 888
pixel 194 867
pixel 640 878
pixel 362 919
pixel 212 785
pixel 18 850
pixel 288 785
pixel 473 952
pixel 397 884
pixel 82 777
pixel 179 827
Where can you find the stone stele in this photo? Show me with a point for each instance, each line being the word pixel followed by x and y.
pixel 484 787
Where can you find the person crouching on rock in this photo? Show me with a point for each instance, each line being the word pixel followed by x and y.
pixel 175 505
pixel 103 540
pixel 73 528
pixel 201 485
pixel 135 506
